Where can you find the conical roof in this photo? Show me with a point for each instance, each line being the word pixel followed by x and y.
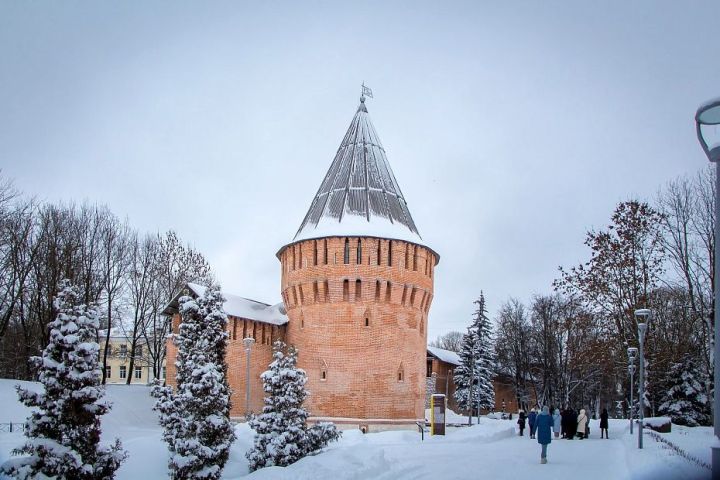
pixel 359 195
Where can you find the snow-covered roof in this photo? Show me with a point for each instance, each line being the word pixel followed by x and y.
pixel 359 195
pixel 446 356
pixel 240 307
pixel 115 332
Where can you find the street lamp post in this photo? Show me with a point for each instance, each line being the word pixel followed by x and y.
pixel 707 121
pixel 248 342
pixel 643 314
pixel 632 355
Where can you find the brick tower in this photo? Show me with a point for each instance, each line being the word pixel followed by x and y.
pixel 357 282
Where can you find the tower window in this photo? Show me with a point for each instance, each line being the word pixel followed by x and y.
pixel 407 256
pixel 316 293
pixel 412 296
pixel 415 258
pixel 367 322
pixel 323 375
pixel 358 290
pixel 315 256
pixel 377 290
pixel 389 253
pixel 325 253
pixel 346 290
pixel 346 253
pixel 299 266
pixel 327 291
pixel 302 296
pixel 388 292
pixel 378 252
pixel 359 252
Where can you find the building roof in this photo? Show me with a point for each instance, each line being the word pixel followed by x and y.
pixel 359 195
pixel 446 356
pixel 239 307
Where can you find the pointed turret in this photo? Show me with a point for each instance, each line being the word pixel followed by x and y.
pixel 359 195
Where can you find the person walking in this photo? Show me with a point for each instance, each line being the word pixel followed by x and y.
pixel 556 423
pixel 532 416
pixel 571 427
pixel 521 421
pixel 544 423
pixel 582 420
pixel 604 423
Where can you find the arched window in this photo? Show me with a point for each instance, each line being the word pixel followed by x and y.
pixel 401 373
pixel 346 253
pixel 359 252
pixel 323 370
pixel 358 290
pixel 366 318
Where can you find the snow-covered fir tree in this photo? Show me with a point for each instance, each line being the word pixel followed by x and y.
pixel 477 362
pixel 281 433
pixel 685 401
pixel 196 417
pixel 63 433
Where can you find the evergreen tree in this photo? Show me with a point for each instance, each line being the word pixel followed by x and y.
pixel 685 401
pixel 477 362
pixel 196 417
pixel 63 434
pixel 281 433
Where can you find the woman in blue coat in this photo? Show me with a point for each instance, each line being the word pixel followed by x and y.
pixel 556 422
pixel 544 424
pixel 531 422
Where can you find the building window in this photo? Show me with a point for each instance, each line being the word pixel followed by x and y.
pixel 407 256
pixel 346 290
pixel 138 373
pixel 315 252
pixel 323 375
pixel 123 371
pixel 123 350
pixel 108 371
pixel 377 290
pixel 415 258
pixel 346 253
pixel 138 351
pixel 325 255
pixel 428 370
pixel 109 349
pixel 327 291
pixel 358 290
pixel 359 252
pixel 389 253
pixel 300 265
pixel 164 372
pixel 401 373
pixel 378 252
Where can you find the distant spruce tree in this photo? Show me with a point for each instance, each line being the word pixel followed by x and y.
pixel 477 362
pixel 196 417
pixel 281 433
pixel 686 402
pixel 63 434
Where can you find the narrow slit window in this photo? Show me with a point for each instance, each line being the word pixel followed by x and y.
pixel 302 296
pixel 407 256
pixel 299 257
pixel 389 253
pixel 315 253
pixel 367 321
pixel 388 292
pixel 415 258
pixel 325 253
pixel 404 295
pixel 377 290
pixel 346 253
pixel 358 290
pixel 359 252
pixel 346 290
pixel 327 291
pixel 316 293
pixel 378 252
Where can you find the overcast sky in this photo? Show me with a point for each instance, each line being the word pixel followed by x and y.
pixel 512 127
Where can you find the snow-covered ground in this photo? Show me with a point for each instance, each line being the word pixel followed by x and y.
pixel 491 449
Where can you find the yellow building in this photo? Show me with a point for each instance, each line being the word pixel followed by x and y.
pixel 118 367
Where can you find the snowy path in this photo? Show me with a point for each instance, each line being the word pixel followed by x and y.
pixel 491 450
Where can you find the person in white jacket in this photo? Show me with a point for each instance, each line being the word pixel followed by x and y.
pixel 582 420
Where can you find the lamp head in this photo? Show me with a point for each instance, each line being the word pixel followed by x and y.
pixel 643 313
pixel 707 123
pixel 632 353
pixel 248 342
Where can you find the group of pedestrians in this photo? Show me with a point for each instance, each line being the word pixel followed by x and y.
pixel 567 424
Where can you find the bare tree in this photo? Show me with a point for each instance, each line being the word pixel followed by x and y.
pixel 449 341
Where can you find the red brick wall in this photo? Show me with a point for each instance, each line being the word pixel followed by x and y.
pixel 260 357
pixel 328 311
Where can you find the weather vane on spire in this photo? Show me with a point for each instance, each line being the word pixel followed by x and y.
pixel 365 91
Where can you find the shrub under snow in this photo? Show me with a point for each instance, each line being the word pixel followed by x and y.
pixel 63 433
pixel 281 433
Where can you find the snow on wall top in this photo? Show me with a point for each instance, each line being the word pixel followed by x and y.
pixel 359 195
pixel 446 356
pixel 240 307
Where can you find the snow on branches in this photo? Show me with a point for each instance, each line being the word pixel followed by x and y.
pixel 196 417
pixel 281 434
pixel 473 378
pixel 63 433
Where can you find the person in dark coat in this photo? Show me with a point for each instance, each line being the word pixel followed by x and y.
pixel 604 423
pixel 571 428
pixel 531 422
pixel 544 425
pixel 521 421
